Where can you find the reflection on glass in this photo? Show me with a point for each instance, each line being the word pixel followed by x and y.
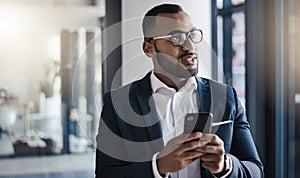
pixel 237 2
pixel 238 56
pixel 220 46
pixel 84 46
pixel 219 4
pixel 294 35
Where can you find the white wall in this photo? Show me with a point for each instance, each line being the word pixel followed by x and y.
pixel 135 63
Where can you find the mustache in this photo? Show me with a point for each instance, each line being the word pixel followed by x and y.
pixel 188 54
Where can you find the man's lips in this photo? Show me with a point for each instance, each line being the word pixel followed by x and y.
pixel 189 59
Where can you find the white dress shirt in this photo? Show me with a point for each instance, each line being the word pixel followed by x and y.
pixel 172 107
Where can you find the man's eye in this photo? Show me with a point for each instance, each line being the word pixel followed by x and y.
pixel 196 36
pixel 178 38
pixel 193 35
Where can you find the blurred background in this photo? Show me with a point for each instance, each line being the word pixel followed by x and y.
pixel 58 58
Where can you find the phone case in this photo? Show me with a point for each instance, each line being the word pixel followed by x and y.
pixel 198 122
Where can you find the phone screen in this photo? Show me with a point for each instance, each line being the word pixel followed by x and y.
pixel 198 122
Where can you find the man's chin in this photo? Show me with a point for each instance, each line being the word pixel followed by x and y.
pixel 186 73
pixel 193 72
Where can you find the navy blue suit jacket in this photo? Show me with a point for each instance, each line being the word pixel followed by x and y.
pixel 129 117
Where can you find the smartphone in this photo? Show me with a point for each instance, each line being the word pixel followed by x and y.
pixel 198 122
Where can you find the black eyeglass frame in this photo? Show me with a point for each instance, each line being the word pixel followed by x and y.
pixel 170 37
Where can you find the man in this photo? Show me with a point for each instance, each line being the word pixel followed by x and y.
pixel 141 127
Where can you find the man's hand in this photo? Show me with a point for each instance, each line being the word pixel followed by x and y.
pixel 213 159
pixel 179 152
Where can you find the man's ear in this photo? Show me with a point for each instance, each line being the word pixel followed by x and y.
pixel 148 49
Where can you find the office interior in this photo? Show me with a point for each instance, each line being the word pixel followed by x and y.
pixel 58 58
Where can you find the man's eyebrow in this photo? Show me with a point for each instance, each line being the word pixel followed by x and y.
pixel 175 31
pixel 179 31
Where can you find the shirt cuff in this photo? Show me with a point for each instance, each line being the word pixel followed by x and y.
pixel 154 168
pixel 230 169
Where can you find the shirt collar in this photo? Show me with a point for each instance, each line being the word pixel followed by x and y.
pixel 191 84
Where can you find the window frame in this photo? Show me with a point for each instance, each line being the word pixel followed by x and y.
pixel 227 10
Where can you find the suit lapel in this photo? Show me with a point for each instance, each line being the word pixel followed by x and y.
pixel 204 93
pixel 143 93
pixel 205 105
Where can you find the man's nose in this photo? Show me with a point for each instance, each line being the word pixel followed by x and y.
pixel 188 45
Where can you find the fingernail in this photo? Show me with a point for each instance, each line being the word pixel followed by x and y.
pixel 199 134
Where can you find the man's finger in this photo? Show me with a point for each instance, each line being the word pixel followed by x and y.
pixel 191 145
pixel 212 149
pixel 211 139
pixel 211 158
pixel 192 155
pixel 187 137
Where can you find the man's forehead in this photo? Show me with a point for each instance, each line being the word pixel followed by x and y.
pixel 168 22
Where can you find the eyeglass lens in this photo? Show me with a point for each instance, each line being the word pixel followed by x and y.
pixel 180 38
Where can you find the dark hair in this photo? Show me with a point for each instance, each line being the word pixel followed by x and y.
pixel 149 19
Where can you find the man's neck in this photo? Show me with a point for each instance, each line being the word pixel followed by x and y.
pixel 171 81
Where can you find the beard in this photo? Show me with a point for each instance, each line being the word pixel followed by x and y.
pixel 175 66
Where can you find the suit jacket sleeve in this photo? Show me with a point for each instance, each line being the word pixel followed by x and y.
pixel 246 162
pixel 107 166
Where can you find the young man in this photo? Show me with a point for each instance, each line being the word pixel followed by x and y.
pixel 141 127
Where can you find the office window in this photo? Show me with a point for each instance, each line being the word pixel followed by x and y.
pixel 220 45
pixel 219 4
pixel 236 2
pixel 230 43
pixel 238 54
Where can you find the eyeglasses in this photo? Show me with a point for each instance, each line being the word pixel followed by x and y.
pixel 179 39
